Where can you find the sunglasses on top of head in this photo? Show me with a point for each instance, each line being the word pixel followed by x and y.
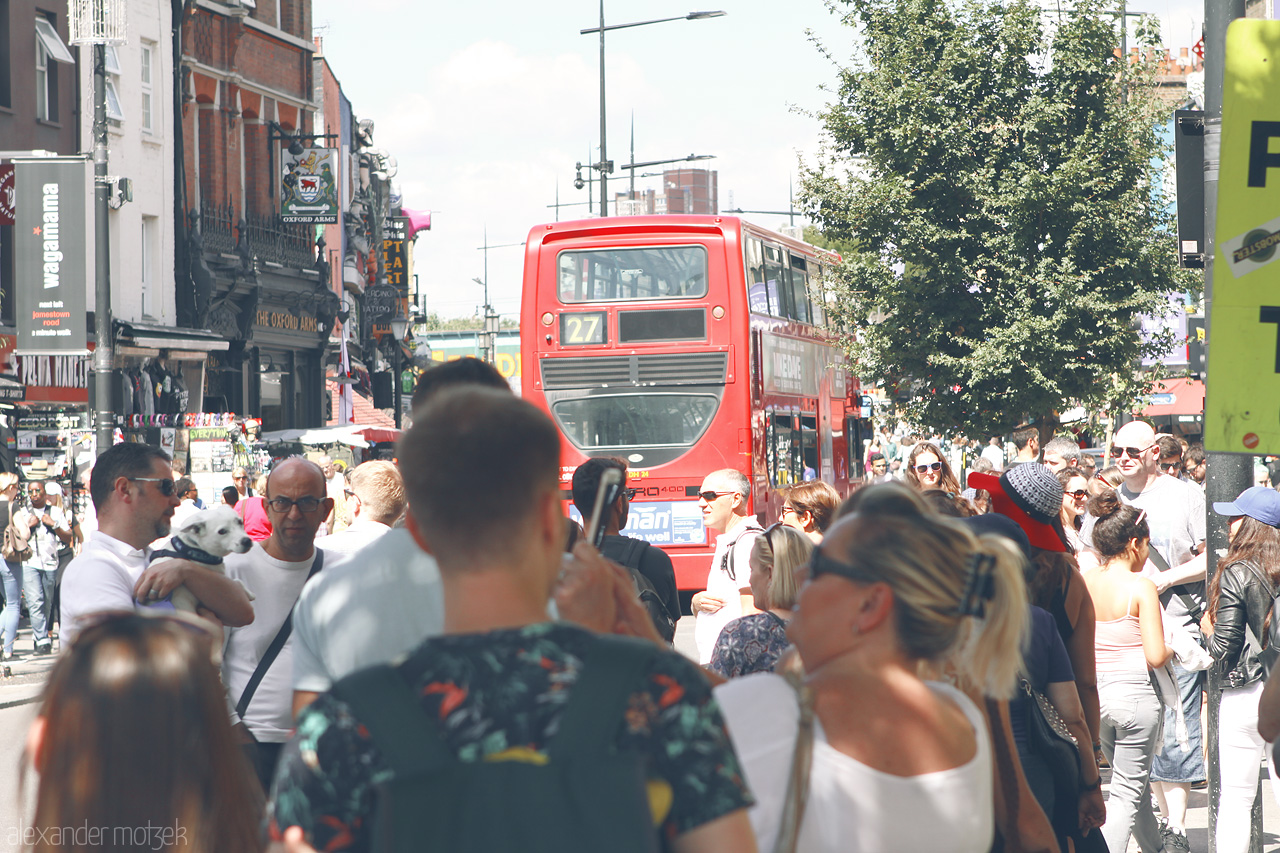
pixel 936 466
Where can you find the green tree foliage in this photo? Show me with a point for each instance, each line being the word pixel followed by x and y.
pixel 998 182
pixel 433 322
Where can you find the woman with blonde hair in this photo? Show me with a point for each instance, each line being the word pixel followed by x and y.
pixel 897 762
pixel 754 643
pixel 810 508
pixel 927 468
pixel 12 569
pixel 133 740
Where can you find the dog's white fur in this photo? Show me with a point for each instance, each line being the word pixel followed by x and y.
pixel 217 530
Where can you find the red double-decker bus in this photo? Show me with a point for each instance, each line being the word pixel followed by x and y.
pixel 685 344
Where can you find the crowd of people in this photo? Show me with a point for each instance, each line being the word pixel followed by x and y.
pixel 944 659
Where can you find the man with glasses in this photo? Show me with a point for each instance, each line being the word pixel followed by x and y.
pixel 134 497
pixel 275 571
pixel 1170 456
pixel 48 527
pixel 723 498
pixel 1176 516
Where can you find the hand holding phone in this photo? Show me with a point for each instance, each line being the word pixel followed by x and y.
pixel 606 493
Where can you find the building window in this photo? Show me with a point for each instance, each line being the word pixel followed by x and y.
pixel 148 54
pixel 114 112
pixel 147 267
pixel 5 56
pixel 49 46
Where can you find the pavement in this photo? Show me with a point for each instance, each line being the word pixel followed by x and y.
pixel 22 678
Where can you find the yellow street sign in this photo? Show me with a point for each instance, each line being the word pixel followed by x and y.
pixel 1242 401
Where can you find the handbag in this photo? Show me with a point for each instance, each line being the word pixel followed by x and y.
pixel 1050 740
pixel 801 763
pixel 16 545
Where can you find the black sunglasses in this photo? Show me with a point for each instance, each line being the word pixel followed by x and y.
pixel 1078 494
pixel 304 504
pixel 820 564
pixel 1131 452
pixel 936 466
pixel 630 494
pixel 710 496
pixel 165 486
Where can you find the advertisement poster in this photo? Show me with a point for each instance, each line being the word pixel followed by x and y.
pixel 309 186
pixel 51 256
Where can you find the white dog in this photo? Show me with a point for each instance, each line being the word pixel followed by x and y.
pixel 205 537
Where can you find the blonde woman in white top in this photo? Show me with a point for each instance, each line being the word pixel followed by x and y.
pixel 899 763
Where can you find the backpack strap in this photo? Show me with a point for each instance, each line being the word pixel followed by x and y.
pixel 631 552
pixel 613 669
pixel 404 733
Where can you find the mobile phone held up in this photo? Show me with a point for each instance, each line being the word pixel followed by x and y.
pixel 606 493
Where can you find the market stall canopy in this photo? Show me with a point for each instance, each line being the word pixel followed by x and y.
pixel 1170 397
pixel 352 435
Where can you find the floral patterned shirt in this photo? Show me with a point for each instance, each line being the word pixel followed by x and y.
pixel 504 692
pixel 749 644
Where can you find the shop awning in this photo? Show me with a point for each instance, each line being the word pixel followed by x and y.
pixel 352 435
pixel 154 336
pixel 1172 397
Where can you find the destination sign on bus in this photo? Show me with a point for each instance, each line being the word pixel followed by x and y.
pixel 660 522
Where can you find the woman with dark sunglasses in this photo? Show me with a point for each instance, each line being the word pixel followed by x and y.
pixel 754 643
pixel 133 742
pixel 1075 498
pixel 928 469
pixel 898 763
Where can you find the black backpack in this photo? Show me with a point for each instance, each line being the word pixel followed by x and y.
pixel 586 796
pixel 628 555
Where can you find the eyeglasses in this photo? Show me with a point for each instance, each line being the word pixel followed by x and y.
pixel 1078 494
pixel 1131 452
pixel 936 466
pixel 789 509
pixel 630 494
pixel 710 496
pixel 165 486
pixel 304 504
pixel 820 564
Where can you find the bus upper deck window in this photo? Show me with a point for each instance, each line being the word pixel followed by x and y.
pixel 623 275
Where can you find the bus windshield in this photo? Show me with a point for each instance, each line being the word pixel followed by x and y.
pixel 635 420
pixel 600 275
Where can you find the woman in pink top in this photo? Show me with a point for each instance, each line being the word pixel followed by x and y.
pixel 1129 640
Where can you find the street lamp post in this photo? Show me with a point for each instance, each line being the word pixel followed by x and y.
pixel 604 166
pixel 399 328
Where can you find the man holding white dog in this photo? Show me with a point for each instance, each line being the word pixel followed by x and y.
pixel 257 661
pixel 134 497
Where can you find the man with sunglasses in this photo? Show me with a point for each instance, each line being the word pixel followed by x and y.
pixel 134 498
pixel 257 668
pixel 1176 516
pixel 723 498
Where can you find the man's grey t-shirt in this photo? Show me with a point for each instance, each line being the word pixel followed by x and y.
pixel 1175 514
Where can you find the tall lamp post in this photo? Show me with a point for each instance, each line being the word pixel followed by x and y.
pixel 399 328
pixel 604 166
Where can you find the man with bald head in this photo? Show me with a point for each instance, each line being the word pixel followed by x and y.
pixel 257 663
pixel 1175 514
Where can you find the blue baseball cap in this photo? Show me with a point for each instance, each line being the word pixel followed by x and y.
pixel 1258 502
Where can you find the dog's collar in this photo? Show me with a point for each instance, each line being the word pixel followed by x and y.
pixel 183 551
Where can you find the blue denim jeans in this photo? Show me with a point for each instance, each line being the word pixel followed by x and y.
pixel 37 586
pixel 11 574
pixel 1132 719
pixel 1172 762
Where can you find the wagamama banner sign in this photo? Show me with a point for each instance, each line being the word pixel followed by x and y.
pixel 50 256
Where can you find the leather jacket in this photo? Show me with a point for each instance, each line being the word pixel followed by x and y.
pixel 1243 600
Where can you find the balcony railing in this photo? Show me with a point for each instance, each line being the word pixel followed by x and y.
pixel 264 236
pixel 217 227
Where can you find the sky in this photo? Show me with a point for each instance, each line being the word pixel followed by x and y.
pixel 488 105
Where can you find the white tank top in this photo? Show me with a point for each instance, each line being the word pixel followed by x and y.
pixel 852 807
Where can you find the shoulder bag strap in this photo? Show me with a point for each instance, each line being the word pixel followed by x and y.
pixel 612 670
pixel 801 763
pixel 269 656
pixel 1190 603
pixel 400 727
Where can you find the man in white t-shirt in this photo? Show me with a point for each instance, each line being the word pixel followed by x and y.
pixel 723 497
pixel 275 571
pixel 48 527
pixel 994 453
pixel 377 495
pixel 128 488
